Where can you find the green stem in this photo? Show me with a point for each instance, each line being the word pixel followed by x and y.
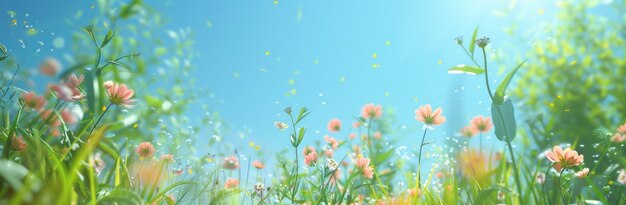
pixel 560 187
pixel 100 118
pixel 419 161
pixel 295 186
pixel 487 75
pixel 508 141
pixel 369 140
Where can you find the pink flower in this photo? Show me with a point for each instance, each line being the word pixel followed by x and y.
pixel 31 100
pixel 582 173
pixel 331 141
pixel 361 162
pixel 310 159
pixel 335 176
pixel 356 124
pixel 356 149
pixel 368 172
pixel 231 163
pixel 231 183
pixel 119 94
pixel 468 132
pixel 481 124
pixel 622 176
pixel 378 135
pixel 145 150
pixel 617 138
pixel 371 111
pixel 334 125
pixel 50 67
pixel 414 192
pixel 68 117
pixel 352 136
pixel 49 118
pixel 257 164
pixel 66 93
pixel 167 158
pixel 329 153
pixel 439 175
pixel 622 129
pixel 564 158
pixel 426 115
pixel 74 81
pixel 363 165
pixel 540 178
pixel 307 150
pixel 18 144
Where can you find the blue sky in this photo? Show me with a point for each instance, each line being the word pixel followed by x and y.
pixel 254 52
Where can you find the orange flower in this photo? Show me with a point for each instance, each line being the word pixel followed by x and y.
pixel 481 124
pixel 371 111
pixel 426 115
pixel 231 183
pixel 564 158
pixel 334 125
pixel 145 150
pixel 257 164
pixel 119 94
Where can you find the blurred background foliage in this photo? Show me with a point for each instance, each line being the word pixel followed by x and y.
pixel 572 88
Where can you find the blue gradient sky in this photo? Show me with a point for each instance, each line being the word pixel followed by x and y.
pixel 316 44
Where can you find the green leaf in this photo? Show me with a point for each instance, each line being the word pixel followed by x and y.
pixel 107 38
pixel 293 139
pixel 503 116
pixel 466 69
pixel 3 49
pixel 473 41
pixel 121 196
pixel 485 194
pixel 301 135
pixel 501 90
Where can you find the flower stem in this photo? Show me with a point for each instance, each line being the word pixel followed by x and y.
pixel 560 187
pixel 100 118
pixel 508 142
pixel 295 186
pixel 419 161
